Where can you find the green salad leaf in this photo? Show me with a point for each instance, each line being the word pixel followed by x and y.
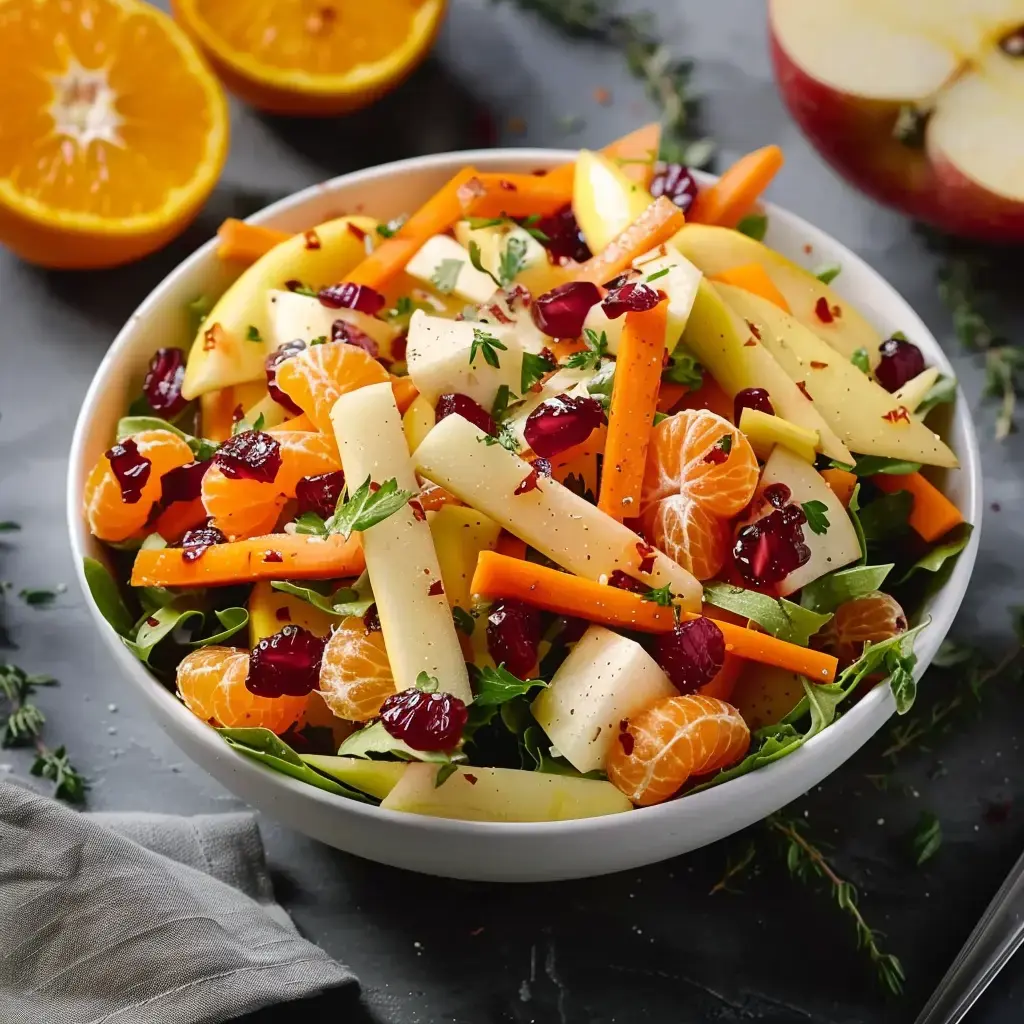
pixel 886 518
pixel 682 368
pixel 534 368
pixel 128 425
pixel 754 225
pixel 942 392
pixel 358 511
pixel 494 686
pixel 781 618
pixel 941 555
pixel 828 592
pixel 375 739
pixel 536 750
pixel 853 511
pixel 232 620
pixel 181 618
pixel 590 357
pixel 105 593
pixel 341 602
pixel 869 465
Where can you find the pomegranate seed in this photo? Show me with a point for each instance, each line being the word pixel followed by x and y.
pixel 345 332
pixel 197 542
pixel 287 663
pixel 777 495
pixel 184 483
pixel 623 581
pixel 751 398
pixel 560 312
pixel 273 361
pixel 513 635
pixel 352 296
pixel 676 182
pixel 630 298
pixel 250 455
pixel 565 241
pixel 371 620
pixel 320 493
pixel 822 311
pixel 130 468
pixel 464 406
pixel 162 386
pixel 768 550
pixel 692 654
pixel 561 422
pixel 901 361
pixel 426 721
pixel 718 453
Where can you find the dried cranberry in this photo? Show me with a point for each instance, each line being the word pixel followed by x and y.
pixel 564 239
pixel 426 721
pixel 822 311
pixel 751 398
pixel 371 619
pixel 320 493
pixel 345 332
pixel 768 550
pixel 273 361
pixel 630 298
pixel 561 422
pixel 901 361
pixel 197 542
pixel 560 312
pixel 287 663
pixel 677 182
pixel 464 406
pixel 513 635
pixel 250 455
pixel 777 495
pixel 130 468
pixel 183 483
pixel 162 386
pixel 623 581
pixel 692 654
pixel 352 296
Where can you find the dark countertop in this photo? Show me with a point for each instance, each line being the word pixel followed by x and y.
pixel 650 945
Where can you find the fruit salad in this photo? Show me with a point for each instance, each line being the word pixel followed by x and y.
pixel 560 496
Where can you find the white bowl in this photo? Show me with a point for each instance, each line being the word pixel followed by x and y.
pixel 495 851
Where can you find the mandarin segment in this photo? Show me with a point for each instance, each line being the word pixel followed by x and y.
pixel 868 619
pixel 660 748
pixel 688 534
pixel 355 674
pixel 211 682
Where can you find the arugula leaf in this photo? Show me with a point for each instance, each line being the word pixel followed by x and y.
pixel 181 618
pixel 590 357
pixel 754 225
pixel 860 360
pixel 513 257
pixel 828 592
pixel 477 263
pixel 494 686
pixel 817 518
pixel 446 276
pixel 853 511
pixel 940 555
pixel 869 465
pixel 659 595
pixel 902 682
pixel 940 393
pixel 783 619
pixel 200 447
pixel 534 367
pixel 375 739
pixel 682 368
pixel 488 345
pixel 341 602
pixel 828 272
pixel 234 620
pixel 886 518
pixel 360 511
pixel 105 593
pixel 535 748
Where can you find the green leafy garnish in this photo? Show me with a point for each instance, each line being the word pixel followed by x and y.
pixel 659 595
pixel 179 619
pixel 375 739
pixel 827 273
pixel 446 276
pixel 828 592
pixel 657 274
pixel 106 595
pixel 502 399
pixel 253 333
pixel 506 438
pixel 590 357
pixel 853 511
pixel 9 526
pixel 754 225
pixel 513 257
pixel 941 392
pixel 493 686
pixel 535 749
pixel 341 602
pixel 427 683
pixel 860 360
pixel 927 838
pixel 886 518
pixel 464 622
pixel 781 618
pixel 302 289
pixel 602 384
pixel 477 263
pixel 200 447
pixel 488 346
pixel 869 465
pixel 682 368
pixel 403 310
pixel 40 597
pixel 243 425
pixel 320 339
pixel 534 368
pixel 942 555
pixel 359 511
pixel 391 228
pixel 817 516
pixel 55 765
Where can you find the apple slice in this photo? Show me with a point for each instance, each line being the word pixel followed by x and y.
pixel 919 104
pixel 377 778
pixel 442 253
pixel 715 250
pixel 862 413
pixel 721 340
pixel 604 200
pixel 291 315
pixel 460 534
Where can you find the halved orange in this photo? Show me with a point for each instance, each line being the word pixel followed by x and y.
pixel 311 56
pixel 112 131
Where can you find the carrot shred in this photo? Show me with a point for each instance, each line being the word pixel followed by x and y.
pixel 276 556
pixel 631 414
pixel 933 514
pixel 513 195
pixel 657 224
pixel 731 197
pixel 405 391
pixel 752 277
pixel 841 482
pixel 240 242
pixel 636 153
pixel 560 592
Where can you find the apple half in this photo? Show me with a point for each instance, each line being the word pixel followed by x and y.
pixel 919 103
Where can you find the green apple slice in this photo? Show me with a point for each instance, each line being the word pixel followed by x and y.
pixel 376 778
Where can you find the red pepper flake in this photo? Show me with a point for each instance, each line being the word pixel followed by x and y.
pixel 417 511
pixel 283 615
pixel 273 556
pixel 754 329
pixel 436 588
pixel 803 389
pixel 152 622
pixel 749 343
pixel 815 365
pixel 356 230
pixel 808 248
pixel 602 96
pixel 312 239
pixel 499 314
pixel 824 314
pixel 646 553
pixel 898 415
pixel 528 483
pixel 472 780
pixel 627 741
pixel 237 414
pixel 508 186
pixel 213 337
pixel 374 487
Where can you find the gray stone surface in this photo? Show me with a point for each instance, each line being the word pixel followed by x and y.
pixel 645 946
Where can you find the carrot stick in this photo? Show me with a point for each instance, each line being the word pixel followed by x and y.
pixel 636 152
pixel 277 556
pixel 436 215
pixel 752 277
pixel 178 517
pixel 631 414
pixel 727 201
pixel 217 409
pixel 841 482
pixel 246 243
pixel 555 591
pixel 513 195
pixel 933 514
pixel 510 545
pixel 657 224
pixel 669 394
pixel 405 391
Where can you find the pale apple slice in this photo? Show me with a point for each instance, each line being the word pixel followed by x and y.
pixel 377 778
pixel 233 342
pixel 715 249
pixel 723 342
pixel 864 415
pixel 459 535
pixel 604 200
pixel 292 316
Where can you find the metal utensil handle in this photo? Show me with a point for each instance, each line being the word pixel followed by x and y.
pixel 995 938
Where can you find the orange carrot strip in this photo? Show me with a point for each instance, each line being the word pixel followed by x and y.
pixel 246 243
pixel 555 591
pixel 841 482
pixel 300 422
pixel 276 556
pixel 510 545
pixel 404 390
pixel 669 394
pixel 436 215
pixel 933 514
pixel 727 201
pixel 635 152
pixel 657 224
pixel 752 277
pixel 513 195
pixel 178 517
pixel 631 414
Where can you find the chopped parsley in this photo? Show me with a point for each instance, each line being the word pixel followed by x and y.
pixel 828 272
pixel 392 227
pixel 501 402
pixel 506 437
pixel 363 509
pixel 657 274
pixel 590 357
pixel 464 622
pixel 488 346
pixel 474 259
pixel 683 369
pixel 446 276
pixel 513 257
pixel 534 367
pixel 659 595
pixel 817 517
pixel 860 360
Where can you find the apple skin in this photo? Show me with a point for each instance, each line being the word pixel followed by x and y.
pixel 855 136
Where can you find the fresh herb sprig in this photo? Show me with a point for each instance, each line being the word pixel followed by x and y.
pixel 364 508
pixel 590 357
pixel 487 345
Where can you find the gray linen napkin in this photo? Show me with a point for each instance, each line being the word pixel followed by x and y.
pixel 142 919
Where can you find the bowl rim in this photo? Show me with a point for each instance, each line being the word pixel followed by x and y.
pixel 877 704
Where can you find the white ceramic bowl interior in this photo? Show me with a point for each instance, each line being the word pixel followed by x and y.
pixel 492 851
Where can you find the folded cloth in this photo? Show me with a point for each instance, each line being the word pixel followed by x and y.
pixel 142 919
